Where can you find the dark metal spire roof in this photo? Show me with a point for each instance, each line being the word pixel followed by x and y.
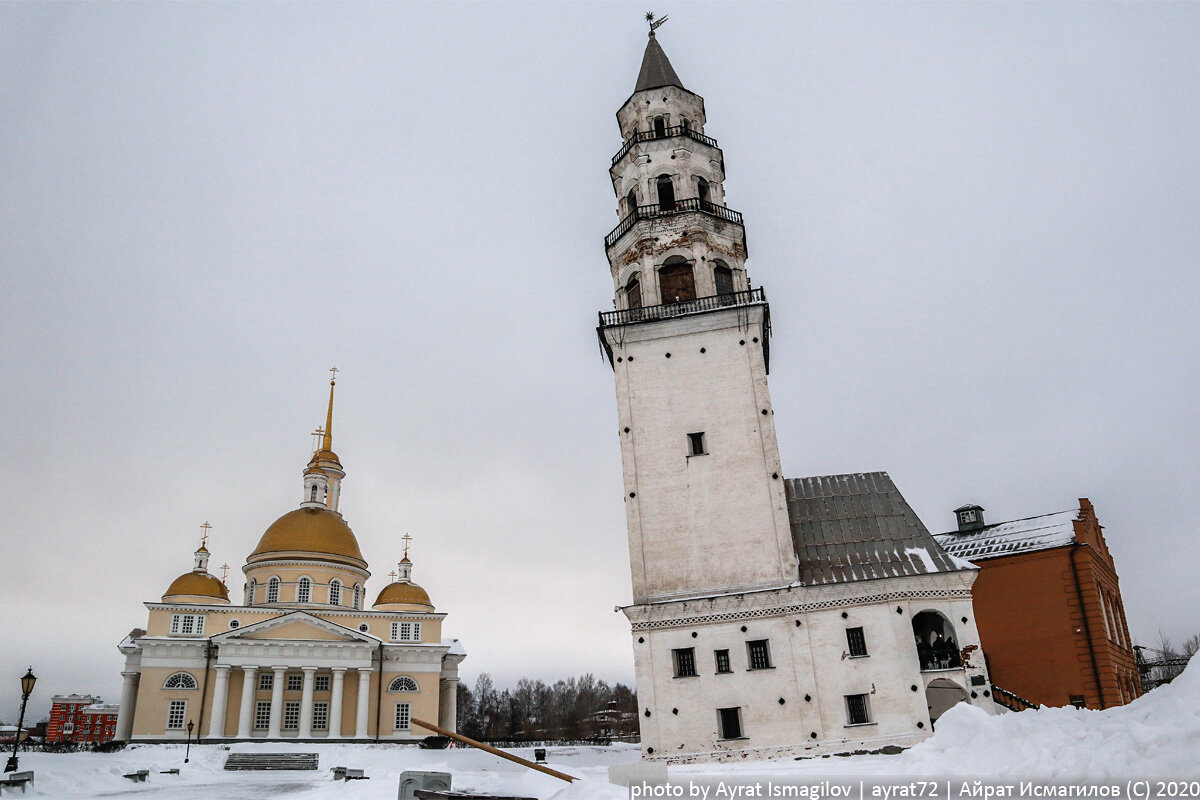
pixel 656 68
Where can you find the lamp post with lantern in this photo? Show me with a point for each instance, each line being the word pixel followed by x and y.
pixel 27 682
pixel 188 751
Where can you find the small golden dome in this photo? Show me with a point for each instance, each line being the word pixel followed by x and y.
pixel 406 594
pixel 197 584
pixel 318 532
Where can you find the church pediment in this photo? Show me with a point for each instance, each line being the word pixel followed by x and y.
pixel 296 626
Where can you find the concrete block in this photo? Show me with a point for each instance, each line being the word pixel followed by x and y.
pixel 411 780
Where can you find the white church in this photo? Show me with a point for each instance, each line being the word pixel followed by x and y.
pixel 770 616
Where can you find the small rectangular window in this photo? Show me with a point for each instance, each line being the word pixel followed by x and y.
pixel 760 654
pixel 189 625
pixel 321 683
pixel 722 658
pixel 266 681
pixel 416 632
pixel 395 631
pixel 320 716
pixel 262 715
pixel 291 715
pixel 857 642
pixel 176 621
pixel 857 710
pixel 295 682
pixel 175 714
pixel 403 716
pixel 685 662
pixel 730 720
pixel 696 445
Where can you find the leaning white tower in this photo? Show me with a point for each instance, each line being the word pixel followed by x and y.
pixel 689 345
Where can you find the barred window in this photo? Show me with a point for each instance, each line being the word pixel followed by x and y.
pixel 320 716
pixel 357 596
pixel 760 654
pixel 403 716
pixel 685 662
pixel 856 641
pixel 291 715
pixel 406 631
pixel 295 682
pixel 176 713
pixel 262 715
pixel 304 590
pixel 180 680
pixel 321 683
pixel 722 658
pixel 273 590
pixel 187 624
pixel 266 681
pixel 335 592
pixel 403 684
pixel 857 710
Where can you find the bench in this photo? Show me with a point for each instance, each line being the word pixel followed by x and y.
pixel 348 774
pixel 271 761
pixel 170 771
pixel 15 779
pixel 139 776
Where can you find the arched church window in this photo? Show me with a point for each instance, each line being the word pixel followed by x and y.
pixel 666 193
pixel 312 497
pixel 722 277
pixel 303 590
pixel 250 592
pixel 403 684
pixel 633 293
pixel 357 596
pixel 335 592
pixel 180 680
pixel 937 646
pixel 273 590
pixel 660 127
pixel 631 202
pixel 676 283
pixel 702 190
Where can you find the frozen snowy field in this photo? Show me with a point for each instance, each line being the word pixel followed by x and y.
pixel 1158 736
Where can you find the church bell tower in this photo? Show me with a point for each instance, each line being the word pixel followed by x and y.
pixel 689 345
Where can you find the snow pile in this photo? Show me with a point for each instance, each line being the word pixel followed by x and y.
pixel 1156 735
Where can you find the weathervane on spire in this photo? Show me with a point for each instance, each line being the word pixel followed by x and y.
pixel 655 25
pixel 406 539
pixel 204 537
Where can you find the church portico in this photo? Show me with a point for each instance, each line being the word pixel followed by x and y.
pixel 302 660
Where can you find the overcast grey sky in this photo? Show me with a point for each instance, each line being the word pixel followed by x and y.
pixel 976 223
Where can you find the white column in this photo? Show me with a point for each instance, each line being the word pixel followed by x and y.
pixel 448 704
pixel 129 687
pixel 335 703
pixel 216 722
pixel 246 717
pixel 364 700
pixel 306 704
pixel 274 732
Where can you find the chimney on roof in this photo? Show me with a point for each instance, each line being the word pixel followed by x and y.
pixel 970 518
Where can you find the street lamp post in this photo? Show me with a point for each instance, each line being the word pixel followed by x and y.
pixel 27 682
pixel 188 752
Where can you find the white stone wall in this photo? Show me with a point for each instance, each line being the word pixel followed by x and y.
pixel 715 522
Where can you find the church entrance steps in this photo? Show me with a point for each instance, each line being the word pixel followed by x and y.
pixel 272 761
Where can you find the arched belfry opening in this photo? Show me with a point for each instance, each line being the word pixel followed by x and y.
pixel 722 278
pixel 660 127
pixel 666 193
pixel 631 203
pixel 937 645
pixel 633 293
pixel 702 190
pixel 676 282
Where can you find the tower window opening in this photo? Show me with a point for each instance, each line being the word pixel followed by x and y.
pixel 304 590
pixel 633 293
pixel 250 592
pixel 685 662
pixel 335 592
pixel 760 654
pixel 730 720
pixel 273 590
pixel 696 444
pixel 660 127
pixel 723 278
pixel 856 642
pixel 937 646
pixel 858 712
pixel 687 125
pixel 631 203
pixel 722 659
pixel 702 190
pixel 676 283
pixel 357 596
pixel 312 496
pixel 666 193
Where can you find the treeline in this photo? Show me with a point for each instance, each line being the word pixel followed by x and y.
pixel 572 709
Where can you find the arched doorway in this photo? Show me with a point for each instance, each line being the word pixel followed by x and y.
pixel 937 646
pixel 940 695
pixel 676 283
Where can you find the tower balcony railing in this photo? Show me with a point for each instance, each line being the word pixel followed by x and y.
pixel 669 310
pixel 657 210
pixel 666 133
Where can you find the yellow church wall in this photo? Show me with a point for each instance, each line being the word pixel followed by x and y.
pixel 320 575
pixel 153 702
pixel 296 630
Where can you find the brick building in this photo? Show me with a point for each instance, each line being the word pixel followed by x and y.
pixel 82 719
pixel 1048 607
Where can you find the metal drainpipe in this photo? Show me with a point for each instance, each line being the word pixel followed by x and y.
pixel 1087 629
pixel 379 693
pixel 210 650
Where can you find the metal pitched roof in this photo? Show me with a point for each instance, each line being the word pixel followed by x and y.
pixel 859 527
pixel 1017 536
pixel 656 68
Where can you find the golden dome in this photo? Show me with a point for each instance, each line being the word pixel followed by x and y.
pixel 401 593
pixel 197 584
pixel 315 532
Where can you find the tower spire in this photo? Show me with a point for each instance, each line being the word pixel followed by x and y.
pixel 327 434
pixel 656 67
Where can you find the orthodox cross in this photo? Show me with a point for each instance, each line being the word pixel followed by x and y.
pixel 318 433
pixel 654 25
pixel 204 538
pixel 406 539
pixel 333 371
pixel 392 575
pixel 224 572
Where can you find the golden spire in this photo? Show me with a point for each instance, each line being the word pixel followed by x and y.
pixel 327 434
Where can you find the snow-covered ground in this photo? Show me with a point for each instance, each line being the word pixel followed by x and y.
pixel 1157 736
